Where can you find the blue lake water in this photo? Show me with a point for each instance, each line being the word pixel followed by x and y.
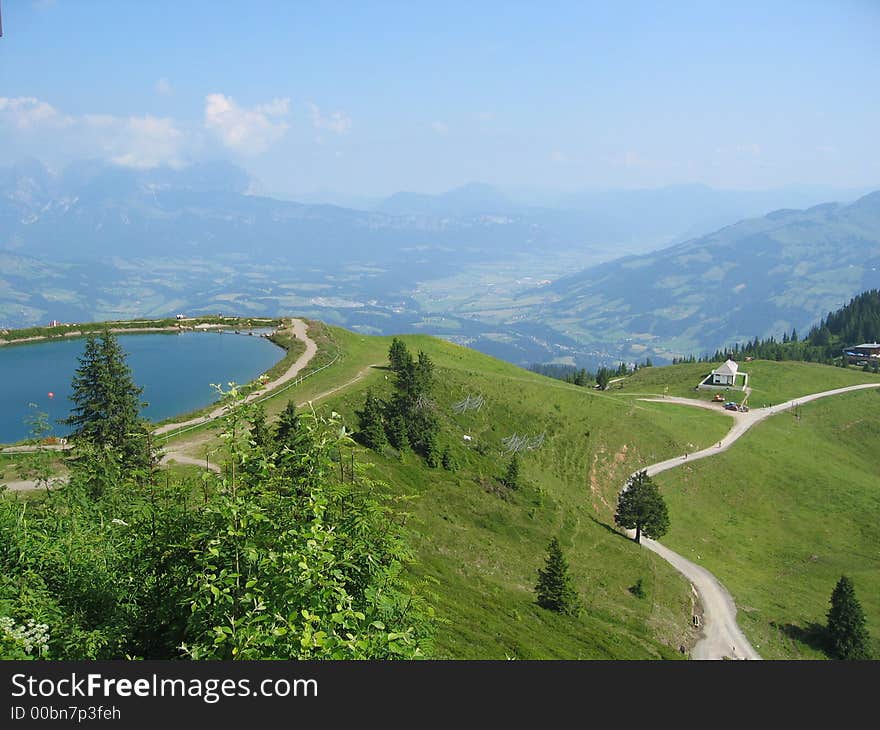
pixel 175 371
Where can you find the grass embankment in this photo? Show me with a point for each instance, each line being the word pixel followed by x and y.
pixel 201 441
pixel 285 339
pixel 483 546
pixel 783 514
pixel 770 382
pixel 30 334
pixel 10 464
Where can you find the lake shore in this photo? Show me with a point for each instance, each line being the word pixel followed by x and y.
pixel 190 324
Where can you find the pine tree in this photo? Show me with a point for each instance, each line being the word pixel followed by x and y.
pixel 641 507
pixel 554 588
pixel 448 460
pixel 511 476
pixel 846 627
pixel 395 429
pixel 431 451
pixel 107 404
pixel 288 426
pixel 398 356
pixel 411 408
pixel 372 430
pixel 89 415
pixel 260 433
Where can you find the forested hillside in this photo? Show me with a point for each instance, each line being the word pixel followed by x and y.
pixel 856 323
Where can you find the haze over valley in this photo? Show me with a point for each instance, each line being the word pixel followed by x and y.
pixel 475 265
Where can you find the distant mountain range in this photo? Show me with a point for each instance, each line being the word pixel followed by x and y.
pixel 96 241
pixel 645 218
pixel 758 277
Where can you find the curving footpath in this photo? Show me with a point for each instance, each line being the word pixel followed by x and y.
pixel 722 637
pixel 300 330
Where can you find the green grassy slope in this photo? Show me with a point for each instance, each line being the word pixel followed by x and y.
pixel 783 514
pixel 483 549
pixel 770 382
pixel 480 546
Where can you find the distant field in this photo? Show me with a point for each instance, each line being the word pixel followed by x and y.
pixel 782 515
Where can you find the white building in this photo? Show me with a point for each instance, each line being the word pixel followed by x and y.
pixel 726 374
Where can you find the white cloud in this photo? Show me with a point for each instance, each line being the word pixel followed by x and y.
pixel 250 131
pixel 147 142
pixel 134 141
pixel 25 112
pixel 440 128
pixel 163 87
pixel 336 122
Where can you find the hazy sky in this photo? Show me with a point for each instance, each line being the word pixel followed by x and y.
pixel 369 97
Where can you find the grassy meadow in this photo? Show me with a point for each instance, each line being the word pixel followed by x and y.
pixel 765 517
pixel 783 514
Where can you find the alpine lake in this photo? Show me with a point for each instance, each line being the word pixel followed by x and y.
pixel 175 370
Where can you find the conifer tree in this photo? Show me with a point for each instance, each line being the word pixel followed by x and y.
pixel 372 430
pixel 395 429
pixel 288 426
pixel 431 451
pixel 107 405
pixel 410 410
pixel 641 507
pixel 554 588
pixel 398 356
pixel 511 476
pixel 847 632
pixel 448 460
pixel 260 433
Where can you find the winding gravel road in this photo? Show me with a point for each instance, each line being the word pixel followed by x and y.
pixel 722 637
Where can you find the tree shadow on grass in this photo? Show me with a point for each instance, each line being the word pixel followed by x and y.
pixel 813 635
pixel 610 528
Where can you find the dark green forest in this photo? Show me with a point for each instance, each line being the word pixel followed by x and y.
pixel 851 325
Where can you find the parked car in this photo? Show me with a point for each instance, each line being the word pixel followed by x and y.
pixel 731 406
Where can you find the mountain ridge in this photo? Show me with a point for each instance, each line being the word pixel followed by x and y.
pixel 796 266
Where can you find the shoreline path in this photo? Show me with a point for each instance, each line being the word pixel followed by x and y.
pixel 722 637
pixel 300 331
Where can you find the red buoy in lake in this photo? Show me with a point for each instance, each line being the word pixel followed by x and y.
pixel 51 394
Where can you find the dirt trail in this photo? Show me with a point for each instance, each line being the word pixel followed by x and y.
pixel 300 330
pixel 722 637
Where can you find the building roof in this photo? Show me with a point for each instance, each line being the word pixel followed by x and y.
pixel 728 368
pixel 870 345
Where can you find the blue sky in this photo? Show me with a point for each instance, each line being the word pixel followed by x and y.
pixel 371 98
